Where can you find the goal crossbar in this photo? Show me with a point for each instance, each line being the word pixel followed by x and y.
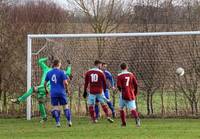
pixel 94 35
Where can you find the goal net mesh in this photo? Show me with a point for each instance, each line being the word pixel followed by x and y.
pixel 153 59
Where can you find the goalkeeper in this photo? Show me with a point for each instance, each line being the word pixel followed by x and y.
pixel 40 90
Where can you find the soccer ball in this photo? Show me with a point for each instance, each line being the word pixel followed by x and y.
pixel 180 71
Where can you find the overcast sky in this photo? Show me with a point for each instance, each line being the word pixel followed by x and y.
pixel 62 3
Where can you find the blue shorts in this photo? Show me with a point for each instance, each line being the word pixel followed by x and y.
pixel 130 104
pixel 60 100
pixel 106 96
pixel 93 97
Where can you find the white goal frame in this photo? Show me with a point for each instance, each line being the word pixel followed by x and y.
pixel 110 35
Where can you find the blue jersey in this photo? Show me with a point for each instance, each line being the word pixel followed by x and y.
pixel 109 79
pixel 56 78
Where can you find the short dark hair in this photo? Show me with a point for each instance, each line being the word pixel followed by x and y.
pixel 56 62
pixel 97 62
pixel 123 66
pixel 104 63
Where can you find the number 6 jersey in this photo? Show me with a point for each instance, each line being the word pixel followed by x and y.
pixel 95 79
pixel 127 83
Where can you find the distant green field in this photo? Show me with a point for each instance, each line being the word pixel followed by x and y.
pixel 84 129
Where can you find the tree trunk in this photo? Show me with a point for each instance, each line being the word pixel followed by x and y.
pixel 176 103
pixel 79 100
pixel 148 103
pixel 4 99
pixel 162 104
pixel 0 93
pixel 196 107
pixel 192 107
pixel 151 103
pixel 4 102
pixel 0 85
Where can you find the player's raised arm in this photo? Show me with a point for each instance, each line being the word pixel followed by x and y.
pixel 42 63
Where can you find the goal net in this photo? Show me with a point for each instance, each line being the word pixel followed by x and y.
pixel 153 57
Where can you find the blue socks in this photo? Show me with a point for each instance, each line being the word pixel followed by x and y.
pixel 56 115
pixel 97 111
pixel 67 114
pixel 110 105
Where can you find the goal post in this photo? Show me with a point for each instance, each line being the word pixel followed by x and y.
pixel 31 37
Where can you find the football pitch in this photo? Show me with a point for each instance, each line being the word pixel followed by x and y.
pixel 83 129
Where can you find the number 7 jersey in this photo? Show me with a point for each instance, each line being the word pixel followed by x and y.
pixel 128 84
pixel 96 80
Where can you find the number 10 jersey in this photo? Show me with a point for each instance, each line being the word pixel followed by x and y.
pixel 95 80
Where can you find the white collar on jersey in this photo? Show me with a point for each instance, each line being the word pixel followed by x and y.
pixel 96 69
pixel 124 72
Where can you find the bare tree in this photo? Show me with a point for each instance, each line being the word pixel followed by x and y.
pixel 103 16
pixel 16 21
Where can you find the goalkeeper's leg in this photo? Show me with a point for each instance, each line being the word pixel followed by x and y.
pixel 24 96
pixel 41 105
pixel 42 111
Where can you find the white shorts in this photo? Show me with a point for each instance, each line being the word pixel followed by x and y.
pixel 130 104
pixel 93 97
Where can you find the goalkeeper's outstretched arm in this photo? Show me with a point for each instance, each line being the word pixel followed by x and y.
pixel 42 63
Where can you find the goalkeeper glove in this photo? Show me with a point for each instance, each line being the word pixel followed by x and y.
pixel 85 94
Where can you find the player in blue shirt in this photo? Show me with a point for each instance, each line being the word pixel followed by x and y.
pixel 58 83
pixel 109 83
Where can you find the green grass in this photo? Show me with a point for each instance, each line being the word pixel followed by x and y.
pixel 84 129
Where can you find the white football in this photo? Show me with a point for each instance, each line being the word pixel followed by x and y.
pixel 180 71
